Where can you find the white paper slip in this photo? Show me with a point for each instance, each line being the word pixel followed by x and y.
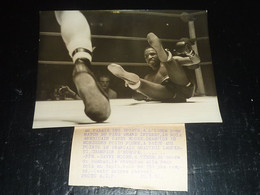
pixel 140 157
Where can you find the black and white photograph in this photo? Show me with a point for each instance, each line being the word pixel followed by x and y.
pixel 109 81
pixel 112 67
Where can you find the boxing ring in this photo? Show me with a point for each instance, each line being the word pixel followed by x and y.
pixel 67 113
pixel 70 113
pixel 187 18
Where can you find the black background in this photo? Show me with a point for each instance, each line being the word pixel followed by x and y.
pixel 222 158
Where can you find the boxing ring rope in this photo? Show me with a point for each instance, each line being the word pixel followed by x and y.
pixel 153 13
pixel 53 62
pixel 121 37
pixel 93 63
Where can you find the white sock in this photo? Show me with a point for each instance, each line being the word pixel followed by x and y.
pixel 81 55
pixel 134 86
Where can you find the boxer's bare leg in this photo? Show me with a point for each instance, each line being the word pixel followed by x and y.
pixel 152 90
